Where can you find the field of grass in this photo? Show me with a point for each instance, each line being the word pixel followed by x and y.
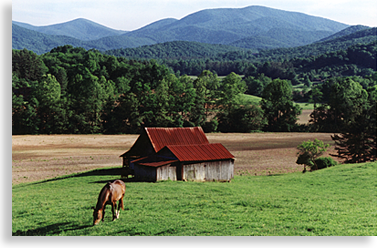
pixel 245 99
pixel 339 201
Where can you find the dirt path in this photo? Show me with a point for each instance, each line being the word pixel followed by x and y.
pixel 38 157
pixel 305 116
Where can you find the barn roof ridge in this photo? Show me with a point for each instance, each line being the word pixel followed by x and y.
pixel 163 136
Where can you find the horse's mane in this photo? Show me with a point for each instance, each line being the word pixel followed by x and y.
pixel 105 191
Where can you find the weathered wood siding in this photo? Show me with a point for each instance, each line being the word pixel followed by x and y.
pixel 167 172
pixel 193 172
pixel 222 170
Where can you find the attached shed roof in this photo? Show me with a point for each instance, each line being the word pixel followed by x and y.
pixel 161 137
pixel 158 164
pixel 201 152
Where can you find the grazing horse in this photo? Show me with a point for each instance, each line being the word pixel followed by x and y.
pixel 109 195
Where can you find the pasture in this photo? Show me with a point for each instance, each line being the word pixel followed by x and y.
pixel 57 178
pixel 339 201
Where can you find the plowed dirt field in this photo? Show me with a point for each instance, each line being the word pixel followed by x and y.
pixel 39 157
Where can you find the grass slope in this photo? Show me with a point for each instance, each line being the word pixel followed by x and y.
pixel 339 200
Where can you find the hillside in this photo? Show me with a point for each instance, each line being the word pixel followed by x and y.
pixel 344 32
pixel 194 50
pixel 251 27
pixel 281 37
pixel 80 28
pixel 174 50
pixel 338 201
pixel 364 36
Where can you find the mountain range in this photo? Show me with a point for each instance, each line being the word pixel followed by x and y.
pixel 251 27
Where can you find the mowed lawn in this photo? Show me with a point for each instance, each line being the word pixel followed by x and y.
pixel 337 201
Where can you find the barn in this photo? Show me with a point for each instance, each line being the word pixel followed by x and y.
pixel 178 154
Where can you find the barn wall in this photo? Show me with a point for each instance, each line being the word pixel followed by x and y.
pixel 167 172
pixel 222 170
pixel 193 172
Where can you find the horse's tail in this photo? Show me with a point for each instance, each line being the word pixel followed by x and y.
pixel 121 199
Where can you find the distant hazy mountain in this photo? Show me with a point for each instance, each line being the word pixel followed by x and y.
pixel 251 27
pixel 38 42
pixel 42 43
pixel 80 28
pixel 226 26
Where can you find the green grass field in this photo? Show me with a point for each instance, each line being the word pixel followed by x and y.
pixel 245 99
pixel 339 201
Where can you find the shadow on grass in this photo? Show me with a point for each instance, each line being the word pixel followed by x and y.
pixel 53 229
pixel 118 173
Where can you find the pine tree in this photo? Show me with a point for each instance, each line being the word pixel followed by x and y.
pixel 357 141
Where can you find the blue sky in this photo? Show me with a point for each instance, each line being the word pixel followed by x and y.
pixel 130 15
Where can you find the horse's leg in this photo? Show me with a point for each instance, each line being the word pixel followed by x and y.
pixel 113 209
pixel 103 214
pixel 119 205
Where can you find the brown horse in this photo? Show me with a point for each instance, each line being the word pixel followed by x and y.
pixel 109 195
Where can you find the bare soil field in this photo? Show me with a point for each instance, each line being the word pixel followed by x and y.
pixel 39 157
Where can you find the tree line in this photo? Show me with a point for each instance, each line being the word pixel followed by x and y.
pixel 318 61
pixel 72 90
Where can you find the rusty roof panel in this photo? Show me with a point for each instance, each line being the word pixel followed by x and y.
pixel 161 137
pixel 201 152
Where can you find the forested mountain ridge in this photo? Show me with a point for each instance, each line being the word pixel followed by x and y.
pixel 344 32
pixel 251 27
pixel 175 50
pixel 339 43
pixel 195 50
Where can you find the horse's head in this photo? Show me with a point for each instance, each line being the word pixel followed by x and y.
pixel 97 216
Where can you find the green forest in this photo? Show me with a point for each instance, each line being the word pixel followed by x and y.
pixel 77 91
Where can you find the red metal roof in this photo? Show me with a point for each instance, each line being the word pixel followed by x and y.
pixel 161 137
pixel 201 152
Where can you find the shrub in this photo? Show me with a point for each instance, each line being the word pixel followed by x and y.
pixel 309 151
pixel 324 162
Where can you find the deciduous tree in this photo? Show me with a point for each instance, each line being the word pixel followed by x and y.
pixel 279 109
